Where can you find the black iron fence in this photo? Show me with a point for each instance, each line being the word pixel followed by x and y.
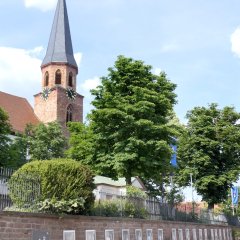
pixel 153 209
pixel 18 191
pixel 5 200
pixel 22 192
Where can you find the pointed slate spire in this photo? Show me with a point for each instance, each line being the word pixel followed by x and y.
pixel 60 44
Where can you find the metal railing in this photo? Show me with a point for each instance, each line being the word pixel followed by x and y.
pixel 19 191
pixel 5 200
pixel 154 209
pixel 25 191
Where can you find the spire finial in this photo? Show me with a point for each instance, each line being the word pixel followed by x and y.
pixel 60 43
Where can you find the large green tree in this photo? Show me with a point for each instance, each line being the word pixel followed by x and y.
pixel 46 141
pixel 12 148
pixel 81 143
pixel 210 150
pixel 130 121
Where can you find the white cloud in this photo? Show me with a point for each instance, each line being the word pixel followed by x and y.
pixel 78 58
pixel 36 52
pixel 235 42
pixel 157 71
pixel 43 5
pixel 90 84
pixel 20 72
pixel 85 88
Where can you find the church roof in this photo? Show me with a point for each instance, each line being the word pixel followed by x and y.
pixel 19 111
pixel 60 43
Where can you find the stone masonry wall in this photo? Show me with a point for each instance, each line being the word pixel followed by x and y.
pixel 19 226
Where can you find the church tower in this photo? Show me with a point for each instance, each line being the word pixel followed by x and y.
pixel 58 100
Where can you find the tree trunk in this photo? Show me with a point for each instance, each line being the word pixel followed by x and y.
pixel 210 206
pixel 128 180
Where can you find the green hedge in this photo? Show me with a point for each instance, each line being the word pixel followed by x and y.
pixel 61 180
pixel 129 207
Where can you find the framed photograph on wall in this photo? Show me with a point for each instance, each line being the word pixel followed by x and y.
pixel 224 234
pixel 125 234
pixel 149 234
pixel 138 234
pixel 230 234
pixel 220 234
pixel 215 234
pixel 90 235
pixel 205 234
pixel 194 232
pixel 212 234
pixel 109 234
pixel 200 234
pixel 160 234
pixel 180 234
pixel 69 235
pixel 174 234
pixel 187 232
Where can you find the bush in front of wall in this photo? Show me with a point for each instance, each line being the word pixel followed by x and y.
pixel 125 207
pixel 63 183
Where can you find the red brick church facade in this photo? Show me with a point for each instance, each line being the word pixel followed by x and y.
pixel 58 99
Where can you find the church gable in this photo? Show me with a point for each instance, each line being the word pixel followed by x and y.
pixel 19 111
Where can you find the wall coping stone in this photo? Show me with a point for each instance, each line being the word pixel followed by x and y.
pixel 99 218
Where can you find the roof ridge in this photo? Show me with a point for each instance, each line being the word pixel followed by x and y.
pixel 1 92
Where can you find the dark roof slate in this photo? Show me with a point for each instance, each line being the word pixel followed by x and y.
pixel 60 43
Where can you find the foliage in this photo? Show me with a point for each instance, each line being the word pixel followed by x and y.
pixel 12 150
pixel 5 129
pixel 155 188
pixel 120 208
pixel 135 192
pixel 226 206
pixel 107 208
pixel 17 152
pixel 210 150
pixel 46 141
pixel 61 180
pixel 81 142
pixel 25 189
pixel 174 196
pixel 73 206
pixel 236 233
pixel 130 121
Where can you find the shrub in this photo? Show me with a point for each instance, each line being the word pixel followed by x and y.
pixel 120 208
pixel 135 192
pixel 108 208
pixel 61 180
pixel 74 206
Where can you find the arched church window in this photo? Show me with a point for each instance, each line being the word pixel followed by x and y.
pixel 70 79
pixel 58 77
pixel 46 80
pixel 69 117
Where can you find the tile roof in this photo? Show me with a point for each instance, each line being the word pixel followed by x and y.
pixel 121 182
pixel 19 111
pixel 60 43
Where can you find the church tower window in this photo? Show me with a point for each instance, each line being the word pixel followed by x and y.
pixel 46 80
pixel 70 79
pixel 58 77
pixel 69 117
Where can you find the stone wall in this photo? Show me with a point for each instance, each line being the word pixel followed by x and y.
pixel 19 226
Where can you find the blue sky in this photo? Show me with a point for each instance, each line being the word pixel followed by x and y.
pixel 197 43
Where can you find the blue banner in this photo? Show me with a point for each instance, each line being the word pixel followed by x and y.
pixel 234 194
pixel 174 156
